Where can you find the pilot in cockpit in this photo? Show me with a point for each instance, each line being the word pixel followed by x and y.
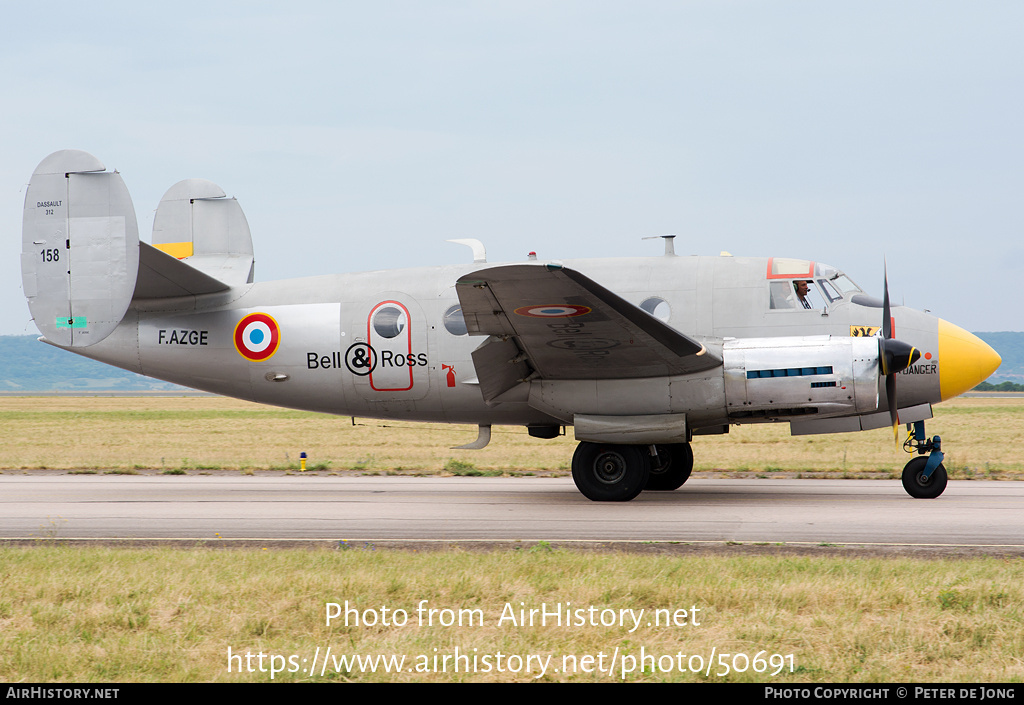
pixel 801 288
pixel 801 285
pixel 800 294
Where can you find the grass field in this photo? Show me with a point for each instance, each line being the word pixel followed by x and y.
pixel 982 438
pixel 122 615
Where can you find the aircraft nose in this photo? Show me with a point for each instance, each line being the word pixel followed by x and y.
pixel 965 360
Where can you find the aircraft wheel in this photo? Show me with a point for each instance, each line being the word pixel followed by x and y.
pixel 672 468
pixel 610 473
pixel 918 488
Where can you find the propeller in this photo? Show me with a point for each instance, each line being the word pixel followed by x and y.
pixel 893 356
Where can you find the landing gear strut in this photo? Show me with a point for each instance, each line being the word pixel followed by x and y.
pixel 924 478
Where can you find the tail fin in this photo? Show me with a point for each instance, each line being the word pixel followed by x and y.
pixel 198 224
pixel 81 260
pixel 80 248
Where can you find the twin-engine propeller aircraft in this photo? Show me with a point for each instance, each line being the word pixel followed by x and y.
pixel 638 355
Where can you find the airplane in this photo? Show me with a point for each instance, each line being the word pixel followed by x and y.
pixel 638 355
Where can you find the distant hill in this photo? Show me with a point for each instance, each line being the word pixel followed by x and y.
pixel 1010 346
pixel 31 366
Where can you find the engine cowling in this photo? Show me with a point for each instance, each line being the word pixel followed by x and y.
pixel 793 377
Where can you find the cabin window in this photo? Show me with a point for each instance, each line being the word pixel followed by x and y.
pixel 454 322
pixel 389 321
pixel 657 307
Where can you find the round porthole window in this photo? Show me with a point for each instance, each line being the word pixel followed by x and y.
pixel 454 323
pixel 389 321
pixel 657 307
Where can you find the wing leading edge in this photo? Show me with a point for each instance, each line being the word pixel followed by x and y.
pixel 553 322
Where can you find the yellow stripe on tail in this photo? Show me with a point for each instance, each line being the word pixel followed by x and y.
pixel 180 250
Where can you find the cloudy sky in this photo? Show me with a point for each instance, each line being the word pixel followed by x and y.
pixel 362 135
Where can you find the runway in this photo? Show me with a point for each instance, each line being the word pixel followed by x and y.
pixel 863 512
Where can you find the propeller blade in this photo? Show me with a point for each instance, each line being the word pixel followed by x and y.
pixel 886 315
pixel 890 397
pixel 893 356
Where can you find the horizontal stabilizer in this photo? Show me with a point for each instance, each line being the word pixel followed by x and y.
pixel 161 276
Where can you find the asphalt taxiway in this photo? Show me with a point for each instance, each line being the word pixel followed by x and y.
pixel 862 512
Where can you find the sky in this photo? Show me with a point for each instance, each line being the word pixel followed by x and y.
pixel 360 136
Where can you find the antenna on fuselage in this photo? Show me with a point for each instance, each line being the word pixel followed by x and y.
pixel 670 248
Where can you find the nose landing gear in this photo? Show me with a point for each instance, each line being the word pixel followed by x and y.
pixel 924 478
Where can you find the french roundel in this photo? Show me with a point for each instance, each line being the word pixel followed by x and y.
pixel 257 337
pixel 552 311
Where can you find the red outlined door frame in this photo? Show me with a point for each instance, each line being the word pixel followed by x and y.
pixel 373 337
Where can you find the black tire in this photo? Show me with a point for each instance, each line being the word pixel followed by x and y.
pixel 610 473
pixel 672 468
pixel 918 489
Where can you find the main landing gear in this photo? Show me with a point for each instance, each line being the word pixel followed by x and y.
pixel 618 473
pixel 671 467
pixel 924 478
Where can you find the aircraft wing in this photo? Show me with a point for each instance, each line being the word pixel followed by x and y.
pixel 555 323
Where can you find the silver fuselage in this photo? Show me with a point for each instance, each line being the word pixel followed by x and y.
pixel 426 373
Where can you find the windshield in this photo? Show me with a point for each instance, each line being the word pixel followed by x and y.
pixel 838 280
pixel 845 285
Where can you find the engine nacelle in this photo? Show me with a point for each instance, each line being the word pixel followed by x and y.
pixel 792 377
pixel 812 377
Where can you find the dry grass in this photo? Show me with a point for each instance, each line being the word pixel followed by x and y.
pixel 981 438
pixel 103 614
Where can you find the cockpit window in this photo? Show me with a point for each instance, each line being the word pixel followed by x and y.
pixel 838 280
pixel 781 295
pixel 831 293
pixel 843 283
pixel 802 284
pixel 799 294
pixel 782 267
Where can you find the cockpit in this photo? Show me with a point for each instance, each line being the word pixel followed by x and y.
pixel 803 285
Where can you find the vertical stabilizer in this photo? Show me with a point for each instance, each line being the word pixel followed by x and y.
pixel 197 223
pixel 80 248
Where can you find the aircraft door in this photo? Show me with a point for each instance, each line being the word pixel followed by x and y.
pixel 389 357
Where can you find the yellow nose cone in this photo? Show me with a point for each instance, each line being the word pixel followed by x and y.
pixel 965 360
